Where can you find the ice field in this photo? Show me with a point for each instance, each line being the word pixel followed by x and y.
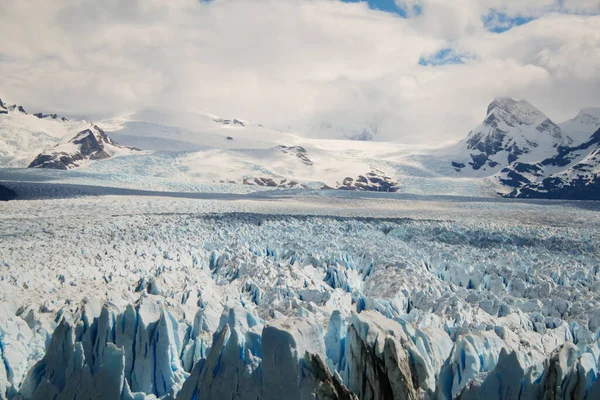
pixel 286 294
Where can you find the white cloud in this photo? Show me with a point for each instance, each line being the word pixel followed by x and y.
pixel 295 62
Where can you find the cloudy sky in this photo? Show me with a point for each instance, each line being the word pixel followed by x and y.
pixel 422 70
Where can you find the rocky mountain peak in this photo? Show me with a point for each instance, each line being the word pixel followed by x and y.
pixel 511 129
pixel 513 112
pixel 89 144
pixel 16 108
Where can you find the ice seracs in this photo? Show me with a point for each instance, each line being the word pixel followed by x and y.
pixel 88 145
pixel 172 303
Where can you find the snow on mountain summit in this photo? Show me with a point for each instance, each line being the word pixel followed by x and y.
pixel 88 145
pixel 514 112
pixel 583 125
pixel 512 130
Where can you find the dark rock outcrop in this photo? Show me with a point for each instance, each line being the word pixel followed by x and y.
pixel 374 181
pixel 270 182
pixel 298 151
pixel 89 144
pixel 230 121
pixel 51 116
pixel 17 108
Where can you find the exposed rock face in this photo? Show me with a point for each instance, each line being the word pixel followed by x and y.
pixel 510 130
pixel 51 116
pixel 578 175
pixel 16 108
pixel 374 181
pixel 270 182
pixel 89 144
pixel 298 151
pixel 3 109
pixel 230 121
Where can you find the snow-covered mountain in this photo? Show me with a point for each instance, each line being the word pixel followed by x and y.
pixel 169 130
pixel 512 131
pixel 89 145
pixel 528 155
pixel 208 148
pixel 515 146
pixel 583 125
pixel 23 135
pixel 572 173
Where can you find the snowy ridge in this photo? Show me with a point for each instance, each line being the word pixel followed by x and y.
pixel 573 173
pixel 583 125
pixel 187 306
pixel 89 145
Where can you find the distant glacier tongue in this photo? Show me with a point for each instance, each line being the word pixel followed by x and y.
pixel 247 306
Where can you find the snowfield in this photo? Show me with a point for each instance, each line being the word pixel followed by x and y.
pixel 288 294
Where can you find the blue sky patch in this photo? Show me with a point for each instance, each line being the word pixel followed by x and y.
pixel 499 22
pixel 443 57
pixel 387 6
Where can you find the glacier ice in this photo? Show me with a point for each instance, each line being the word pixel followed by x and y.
pixel 185 305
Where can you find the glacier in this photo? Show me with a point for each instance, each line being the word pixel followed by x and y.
pixel 337 296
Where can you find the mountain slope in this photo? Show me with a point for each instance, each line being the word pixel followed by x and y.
pixel 23 136
pixel 88 145
pixel 580 179
pixel 198 129
pixel 572 172
pixel 583 125
pixel 512 130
